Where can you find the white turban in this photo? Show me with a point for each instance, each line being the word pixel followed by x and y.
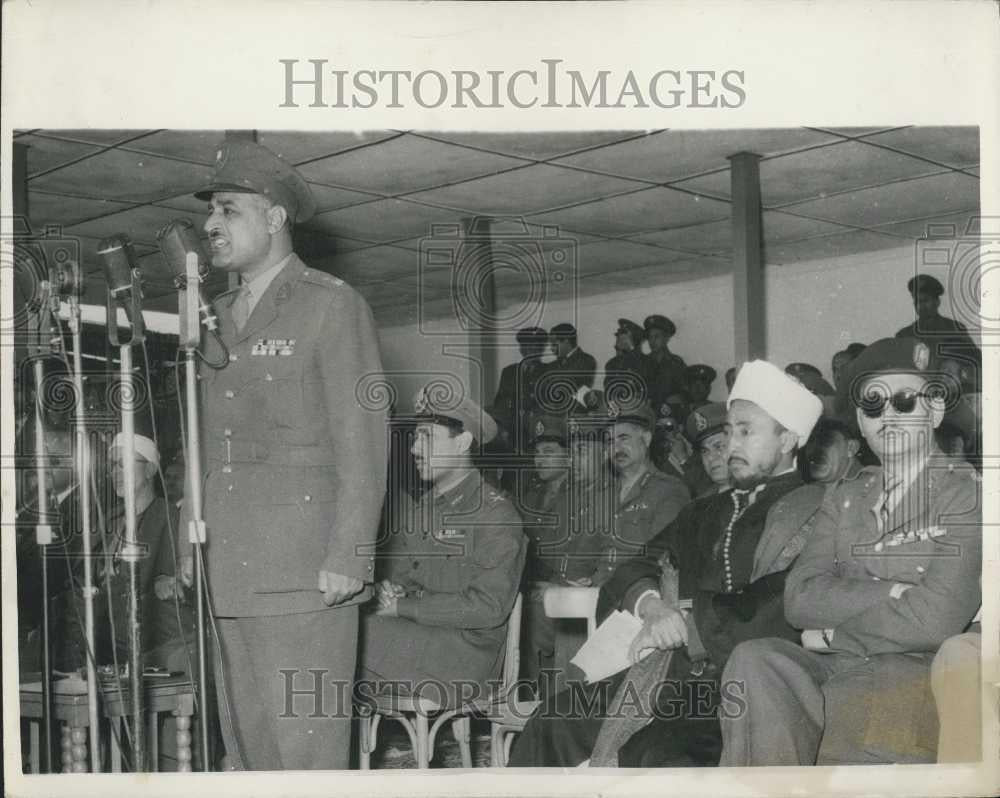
pixel 782 397
pixel 143 446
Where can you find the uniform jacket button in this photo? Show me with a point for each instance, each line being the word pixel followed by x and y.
pixel 921 569
pixel 227 432
pixel 233 357
pixel 229 394
pixel 308 498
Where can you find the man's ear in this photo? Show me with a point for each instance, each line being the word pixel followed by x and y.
pixel 276 218
pixel 647 438
pixel 853 447
pixel 937 410
pixel 789 440
pixel 464 441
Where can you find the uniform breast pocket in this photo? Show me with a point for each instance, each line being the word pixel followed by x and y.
pixel 281 390
pixel 908 561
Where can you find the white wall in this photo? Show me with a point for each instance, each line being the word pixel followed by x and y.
pixel 814 308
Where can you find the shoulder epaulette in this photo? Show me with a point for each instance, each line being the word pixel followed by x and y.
pixel 316 277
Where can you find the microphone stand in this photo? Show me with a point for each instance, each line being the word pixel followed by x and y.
pixel 130 553
pixel 83 469
pixel 190 335
pixel 39 349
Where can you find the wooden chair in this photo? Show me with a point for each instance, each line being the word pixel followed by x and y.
pixel 511 717
pixel 414 714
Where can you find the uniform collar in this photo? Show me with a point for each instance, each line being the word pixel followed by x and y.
pixel 459 491
pixel 258 285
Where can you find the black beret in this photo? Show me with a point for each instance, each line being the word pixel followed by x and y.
pixel 924 284
pixel 658 322
pixel 888 356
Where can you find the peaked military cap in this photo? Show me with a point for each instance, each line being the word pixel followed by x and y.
pixel 546 427
pixel 564 330
pixel 704 421
pixel 658 322
pixel 531 335
pixel 700 372
pixel 924 284
pixel 630 328
pixel 247 167
pixel 640 414
pixel 463 413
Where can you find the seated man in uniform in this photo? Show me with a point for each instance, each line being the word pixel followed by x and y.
pixel 728 553
pixel 648 499
pixel 450 568
pixel 705 429
pixel 889 574
pixel 832 451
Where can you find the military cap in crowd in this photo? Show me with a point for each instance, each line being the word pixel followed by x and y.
pixel 658 322
pixel 700 372
pixel 779 395
pixel 631 329
pixel 811 377
pixel 463 413
pixel 564 330
pixel 548 427
pixel 531 335
pixel 924 284
pixel 704 421
pixel 247 167
pixel 641 414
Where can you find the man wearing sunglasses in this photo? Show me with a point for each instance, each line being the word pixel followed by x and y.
pixel 890 572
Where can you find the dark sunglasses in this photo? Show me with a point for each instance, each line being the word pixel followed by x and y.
pixel 904 402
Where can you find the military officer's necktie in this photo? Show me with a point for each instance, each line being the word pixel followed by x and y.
pixel 889 498
pixel 241 307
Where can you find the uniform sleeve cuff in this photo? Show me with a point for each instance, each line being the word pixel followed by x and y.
pixel 406 607
pixel 642 597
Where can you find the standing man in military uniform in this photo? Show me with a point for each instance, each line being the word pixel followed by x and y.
pixel 625 373
pixel 572 369
pixel 294 472
pixel 946 337
pixel 450 568
pixel 699 384
pixel 890 572
pixel 515 399
pixel 665 371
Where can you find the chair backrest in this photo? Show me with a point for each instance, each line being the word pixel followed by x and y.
pixel 512 653
pixel 572 602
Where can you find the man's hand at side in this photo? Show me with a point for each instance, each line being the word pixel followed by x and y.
pixel 663 627
pixel 337 588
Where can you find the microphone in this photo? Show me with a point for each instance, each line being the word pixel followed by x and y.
pixel 116 257
pixel 176 240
